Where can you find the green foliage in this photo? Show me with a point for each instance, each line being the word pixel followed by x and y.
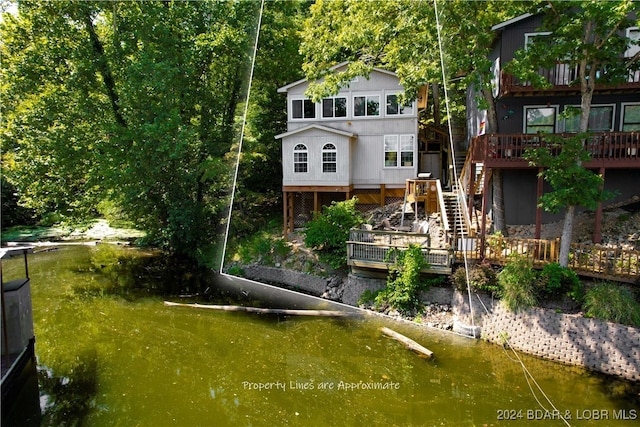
pixel 368 296
pixel 556 280
pixel 518 282
pixel 481 277
pixel 613 303
pixel 572 184
pixel 266 247
pixel 401 36
pixel 328 232
pixel 135 103
pixel 404 282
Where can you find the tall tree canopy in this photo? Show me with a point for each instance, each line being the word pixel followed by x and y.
pixel 401 36
pixel 134 102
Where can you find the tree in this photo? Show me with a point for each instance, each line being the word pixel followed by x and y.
pixel 135 102
pixel 588 36
pixel 258 191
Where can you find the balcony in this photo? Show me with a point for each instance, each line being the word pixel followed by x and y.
pixel 564 80
pixel 609 149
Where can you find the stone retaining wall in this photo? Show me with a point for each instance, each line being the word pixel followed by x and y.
pixel 602 346
pixel 292 279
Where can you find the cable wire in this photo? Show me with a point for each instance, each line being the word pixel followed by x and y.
pixel 528 376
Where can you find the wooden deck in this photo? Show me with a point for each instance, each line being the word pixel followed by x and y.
pixel 607 149
pixel 370 250
pixel 373 250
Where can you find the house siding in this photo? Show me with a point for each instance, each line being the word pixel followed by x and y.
pixel 364 167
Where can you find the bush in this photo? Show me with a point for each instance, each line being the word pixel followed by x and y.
pixel 481 277
pixel 518 282
pixel 403 282
pixel 612 303
pixel 264 248
pixel 328 232
pixel 556 281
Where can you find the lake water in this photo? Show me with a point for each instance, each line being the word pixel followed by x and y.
pixel 110 353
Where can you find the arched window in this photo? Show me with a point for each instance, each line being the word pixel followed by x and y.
pixel 300 158
pixel 329 158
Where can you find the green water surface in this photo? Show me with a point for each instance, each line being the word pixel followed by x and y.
pixel 111 354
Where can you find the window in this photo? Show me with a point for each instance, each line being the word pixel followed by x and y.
pixel 531 37
pixel 300 158
pixel 334 107
pixel 303 109
pixel 540 119
pixel 329 158
pixel 365 106
pixel 630 117
pixel 633 34
pixel 398 148
pixel 600 118
pixel 395 108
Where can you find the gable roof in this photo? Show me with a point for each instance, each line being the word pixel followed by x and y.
pixel 285 89
pixel 317 127
pixel 511 21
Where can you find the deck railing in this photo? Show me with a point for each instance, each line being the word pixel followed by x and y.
pixel 371 249
pixel 507 148
pixel 375 249
pixel 563 77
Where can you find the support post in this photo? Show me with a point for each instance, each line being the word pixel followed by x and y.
pixel 316 208
pixel 285 212
pixel 383 195
pixel 597 230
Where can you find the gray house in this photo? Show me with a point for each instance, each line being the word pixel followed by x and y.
pixel 527 113
pixel 361 142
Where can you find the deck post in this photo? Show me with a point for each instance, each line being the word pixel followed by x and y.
pixel 285 227
pixel 597 230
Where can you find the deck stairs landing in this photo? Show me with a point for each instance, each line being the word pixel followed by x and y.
pixel 457 224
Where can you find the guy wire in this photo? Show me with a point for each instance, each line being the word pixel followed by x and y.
pixel 244 122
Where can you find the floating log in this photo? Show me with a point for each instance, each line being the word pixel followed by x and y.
pixel 408 342
pixel 281 311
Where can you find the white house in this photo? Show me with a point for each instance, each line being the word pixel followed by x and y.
pixel 361 142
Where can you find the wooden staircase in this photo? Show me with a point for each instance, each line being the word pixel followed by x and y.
pixel 458 226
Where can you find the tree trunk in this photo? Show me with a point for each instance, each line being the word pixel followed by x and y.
pixel 567 232
pixel 499 220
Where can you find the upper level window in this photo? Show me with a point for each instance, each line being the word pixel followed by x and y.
pixel 540 119
pixel 303 109
pixel 365 106
pixel 398 150
pixel 630 117
pixel 300 158
pixel 633 34
pixel 395 108
pixel 530 37
pixel 329 158
pixel 600 119
pixel 334 107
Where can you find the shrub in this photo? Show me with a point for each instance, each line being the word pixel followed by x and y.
pixel 403 282
pixel 328 232
pixel 612 303
pixel 518 282
pixel 263 248
pixel 481 277
pixel 556 280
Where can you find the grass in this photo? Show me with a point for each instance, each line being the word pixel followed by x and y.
pixel 613 303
